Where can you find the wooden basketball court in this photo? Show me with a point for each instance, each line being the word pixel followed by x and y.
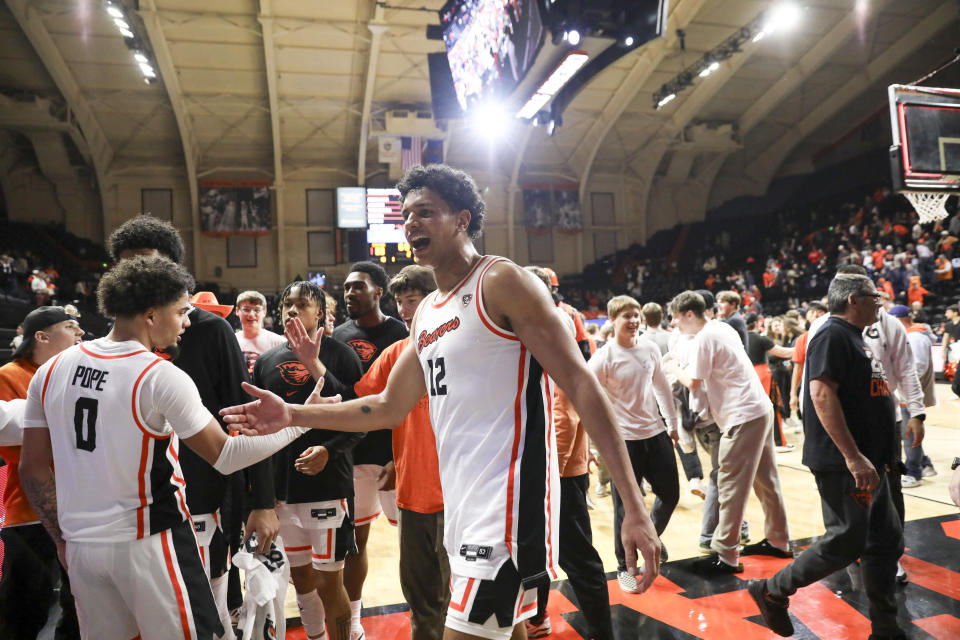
pixel 684 605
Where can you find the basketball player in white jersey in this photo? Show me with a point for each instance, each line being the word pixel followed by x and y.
pixel 479 346
pixel 108 416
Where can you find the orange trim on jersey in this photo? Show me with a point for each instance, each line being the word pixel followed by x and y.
pixel 176 584
pixel 367 519
pixel 548 432
pixel 460 606
pixel 46 380
pixel 289 549
pixel 142 485
pixel 514 453
pixel 133 401
pixel 459 284
pixel 102 357
pixel 203 556
pixel 521 609
pixel 482 313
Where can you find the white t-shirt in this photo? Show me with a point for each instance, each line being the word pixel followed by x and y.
pixel 636 384
pixel 734 391
pixel 252 349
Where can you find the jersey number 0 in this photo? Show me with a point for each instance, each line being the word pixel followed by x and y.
pixel 85 423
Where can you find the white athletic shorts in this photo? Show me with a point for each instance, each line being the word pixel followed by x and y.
pixel 369 500
pixel 318 533
pixel 155 587
pixel 490 608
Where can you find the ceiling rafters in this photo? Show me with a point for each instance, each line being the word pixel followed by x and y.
pixel 649 58
pixel 815 57
pixel 100 151
pixel 188 138
pixel 767 163
pixel 232 126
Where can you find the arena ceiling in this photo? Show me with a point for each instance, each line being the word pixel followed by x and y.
pixel 287 88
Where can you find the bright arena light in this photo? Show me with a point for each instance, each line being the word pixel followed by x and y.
pixel 573 37
pixel 115 12
pixel 567 68
pixel 629 41
pixel 666 100
pixel 139 57
pixel 782 17
pixel 710 69
pixel 490 120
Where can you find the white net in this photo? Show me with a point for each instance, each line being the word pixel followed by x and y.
pixel 928 205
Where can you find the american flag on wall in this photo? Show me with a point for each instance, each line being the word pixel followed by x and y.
pixel 411 152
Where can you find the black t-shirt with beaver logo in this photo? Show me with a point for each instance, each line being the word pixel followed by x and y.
pixel 368 343
pixel 279 371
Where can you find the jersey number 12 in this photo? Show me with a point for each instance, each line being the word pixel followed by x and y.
pixel 437 388
pixel 85 423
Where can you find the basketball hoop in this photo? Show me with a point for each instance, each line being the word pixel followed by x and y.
pixel 929 205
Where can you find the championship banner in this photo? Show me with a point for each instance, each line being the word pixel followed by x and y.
pixel 389 149
pixel 235 207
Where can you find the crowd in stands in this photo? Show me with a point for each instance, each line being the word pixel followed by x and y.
pixel 776 261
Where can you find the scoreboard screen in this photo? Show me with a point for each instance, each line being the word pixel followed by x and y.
pixel 383 206
pixel 388 244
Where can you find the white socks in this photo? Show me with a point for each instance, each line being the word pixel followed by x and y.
pixel 312 615
pixel 356 630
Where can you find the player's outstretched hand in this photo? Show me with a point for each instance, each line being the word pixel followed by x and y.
pixel 638 534
pixel 267 414
pixel 316 398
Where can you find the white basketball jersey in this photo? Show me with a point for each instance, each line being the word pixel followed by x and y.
pixel 490 405
pixel 118 477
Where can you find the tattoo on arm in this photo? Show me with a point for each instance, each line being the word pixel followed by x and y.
pixel 365 408
pixel 343 626
pixel 42 494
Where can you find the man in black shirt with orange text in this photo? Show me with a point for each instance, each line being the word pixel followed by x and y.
pixel 849 428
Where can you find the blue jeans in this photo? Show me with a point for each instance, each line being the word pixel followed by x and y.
pixel 916 460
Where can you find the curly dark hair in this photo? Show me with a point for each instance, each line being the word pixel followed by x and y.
pixel 455 187
pixel 147 232
pixel 308 289
pixel 375 271
pixel 141 283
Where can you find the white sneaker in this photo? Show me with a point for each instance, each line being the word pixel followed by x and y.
pixel 601 491
pixel 784 448
pixel 356 633
pixel 929 471
pixel 901 574
pixel 698 488
pixel 646 486
pixel 908 482
pixel 628 583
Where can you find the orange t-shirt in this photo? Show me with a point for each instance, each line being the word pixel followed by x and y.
pixel 414 445
pixel 581 331
pixel 14 381
pixel 800 348
pixel 572 450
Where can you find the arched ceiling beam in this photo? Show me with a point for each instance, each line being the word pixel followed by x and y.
pixel 101 153
pixel 811 61
pixel 188 138
pixel 266 20
pixel 377 29
pixel 651 54
pixel 765 165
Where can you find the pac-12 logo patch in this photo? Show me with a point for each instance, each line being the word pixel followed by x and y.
pixel 466 299
pixel 293 372
pixel 365 349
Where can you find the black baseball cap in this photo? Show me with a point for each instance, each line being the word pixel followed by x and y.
pixel 38 320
